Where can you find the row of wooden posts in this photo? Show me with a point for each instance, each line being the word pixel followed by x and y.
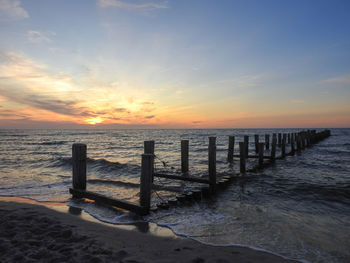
pixel 297 141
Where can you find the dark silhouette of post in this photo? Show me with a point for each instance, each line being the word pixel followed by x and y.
pixel 184 156
pixel 242 154
pixel 147 163
pixel 302 136
pixel 273 148
pixel 212 163
pixel 246 143
pixel 298 141
pixel 267 141
pixel 288 138
pixel 231 148
pixel 261 154
pixel 149 149
pixel 279 140
pixel 283 146
pixel 79 166
pixel 292 145
pixel 256 141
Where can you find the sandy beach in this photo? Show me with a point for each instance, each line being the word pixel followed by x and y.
pixel 35 233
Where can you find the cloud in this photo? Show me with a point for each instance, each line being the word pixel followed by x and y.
pixel 120 109
pixel 39 37
pixel 339 80
pixel 9 113
pixel 31 88
pixel 11 9
pixel 26 82
pixel 30 98
pixel 132 5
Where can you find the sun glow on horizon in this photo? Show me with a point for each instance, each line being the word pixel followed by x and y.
pixel 94 121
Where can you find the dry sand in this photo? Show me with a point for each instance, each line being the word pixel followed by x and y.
pixel 33 233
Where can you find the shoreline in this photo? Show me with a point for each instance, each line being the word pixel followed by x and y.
pixel 35 232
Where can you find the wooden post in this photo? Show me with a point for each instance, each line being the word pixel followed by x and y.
pixel 184 156
pixel 288 138
pixel 146 180
pixel 273 147
pixel 283 149
pixel 298 141
pixel 256 139
pixel 149 149
pixel 308 143
pixel 79 166
pixel 267 141
pixel 261 154
pixel 212 163
pixel 292 146
pixel 246 143
pixel 242 149
pixel 231 148
pixel 302 136
pixel 279 140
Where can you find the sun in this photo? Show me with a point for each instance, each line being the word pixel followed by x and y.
pixel 94 121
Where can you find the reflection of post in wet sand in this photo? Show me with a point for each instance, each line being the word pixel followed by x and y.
pixel 142 227
pixel 74 211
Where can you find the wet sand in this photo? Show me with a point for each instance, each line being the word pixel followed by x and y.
pixel 35 233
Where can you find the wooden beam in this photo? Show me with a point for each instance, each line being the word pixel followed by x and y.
pixel 183 178
pixel 109 201
pixel 251 156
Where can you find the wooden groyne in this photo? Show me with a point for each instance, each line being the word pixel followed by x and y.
pixel 208 185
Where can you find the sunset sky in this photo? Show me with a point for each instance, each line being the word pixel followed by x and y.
pixel 174 64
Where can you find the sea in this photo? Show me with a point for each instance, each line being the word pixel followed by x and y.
pixel 298 208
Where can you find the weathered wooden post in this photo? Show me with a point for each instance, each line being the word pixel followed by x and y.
pixel 298 141
pixel 256 139
pixel 273 148
pixel 267 141
pixel 279 140
pixel 231 148
pixel 79 166
pixel 147 164
pixel 242 155
pixel 292 146
pixel 313 136
pixel 184 156
pixel 288 138
pixel 308 143
pixel 149 149
pixel 212 163
pixel 302 136
pixel 246 143
pixel 283 149
pixel 261 154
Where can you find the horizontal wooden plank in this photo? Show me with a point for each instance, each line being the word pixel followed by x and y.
pixel 252 156
pixel 183 178
pixel 109 201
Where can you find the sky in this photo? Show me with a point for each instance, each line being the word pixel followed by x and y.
pixel 174 64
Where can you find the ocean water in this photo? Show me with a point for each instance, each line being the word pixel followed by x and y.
pixel 299 208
